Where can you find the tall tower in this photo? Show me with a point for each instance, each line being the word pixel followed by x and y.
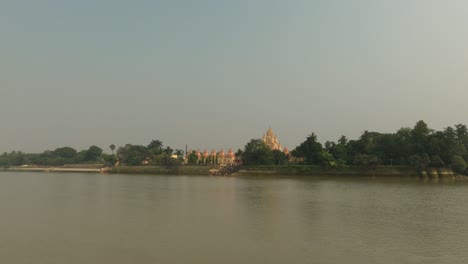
pixel 271 140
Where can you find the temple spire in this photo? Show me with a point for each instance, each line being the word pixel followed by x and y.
pixel 271 140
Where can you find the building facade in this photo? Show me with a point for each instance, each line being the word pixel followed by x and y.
pixel 214 158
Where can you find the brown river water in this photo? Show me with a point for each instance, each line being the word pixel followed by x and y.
pixel 56 218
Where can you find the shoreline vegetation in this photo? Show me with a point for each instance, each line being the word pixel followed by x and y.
pixel 259 170
pixel 417 151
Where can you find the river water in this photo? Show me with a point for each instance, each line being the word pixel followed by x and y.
pixel 91 218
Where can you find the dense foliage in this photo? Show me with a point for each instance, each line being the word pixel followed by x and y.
pixel 57 157
pixel 256 152
pixel 419 147
pixel 153 154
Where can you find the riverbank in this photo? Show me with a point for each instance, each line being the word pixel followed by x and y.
pixel 91 168
pixel 284 170
pixel 292 170
pixel 350 171
pixel 161 170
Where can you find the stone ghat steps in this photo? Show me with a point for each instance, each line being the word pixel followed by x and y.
pixel 225 170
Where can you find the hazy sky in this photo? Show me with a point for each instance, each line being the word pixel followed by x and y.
pixel 213 73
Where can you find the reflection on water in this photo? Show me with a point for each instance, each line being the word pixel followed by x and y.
pixel 89 218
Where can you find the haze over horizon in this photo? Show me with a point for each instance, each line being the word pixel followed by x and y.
pixel 215 74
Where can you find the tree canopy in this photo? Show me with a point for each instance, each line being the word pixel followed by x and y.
pixel 420 147
pixel 256 152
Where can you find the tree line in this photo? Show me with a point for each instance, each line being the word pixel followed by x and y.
pixel 57 157
pixel 420 147
pixel 153 154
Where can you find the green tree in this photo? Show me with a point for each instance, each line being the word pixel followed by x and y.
pixel 172 163
pixel 436 161
pixel 256 152
pixel 155 147
pixel 192 158
pixel 93 153
pixel 109 160
pixel 239 155
pixel 168 151
pixel 15 158
pixel 310 150
pixel 462 134
pixel 132 154
pixel 343 140
pixel 112 147
pixel 4 160
pixel 279 157
pixel 458 164
pixel 419 161
pixel 419 137
pixel 167 154
pixel 327 159
pixel 65 152
pixel 155 144
pixel 158 160
pixel 61 156
pixel 340 151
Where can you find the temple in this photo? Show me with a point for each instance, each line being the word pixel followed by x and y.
pixel 271 140
pixel 213 158
pixel 224 159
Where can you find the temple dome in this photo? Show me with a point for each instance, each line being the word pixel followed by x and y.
pixel 271 140
pixel 270 132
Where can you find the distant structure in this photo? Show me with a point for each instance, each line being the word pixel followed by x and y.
pixel 214 158
pixel 271 140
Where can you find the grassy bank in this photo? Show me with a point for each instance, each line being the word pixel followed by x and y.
pixel 182 170
pixel 285 170
pixel 320 171
pixel 66 168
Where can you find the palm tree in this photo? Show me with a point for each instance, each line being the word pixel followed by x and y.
pixel 155 144
pixel 168 151
pixel 112 147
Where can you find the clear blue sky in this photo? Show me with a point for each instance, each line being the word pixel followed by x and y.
pixel 213 73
